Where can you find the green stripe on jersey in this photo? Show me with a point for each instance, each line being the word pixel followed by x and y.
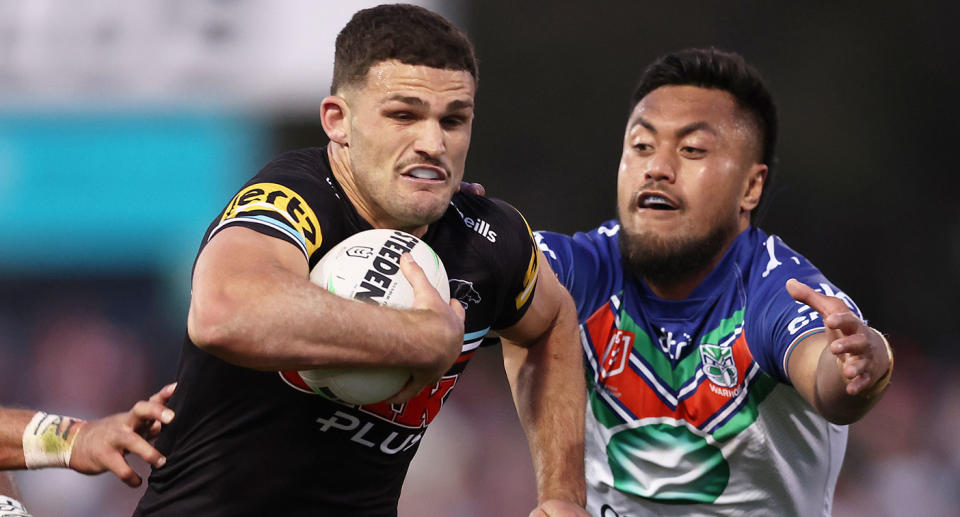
pixel 726 327
pixel 707 472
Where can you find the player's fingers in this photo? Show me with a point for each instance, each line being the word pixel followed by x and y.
pixel 860 383
pixel 845 321
pixel 803 293
pixel 413 386
pixel 116 464
pixel 474 188
pixel 414 274
pixel 537 512
pixel 164 394
pixel 150 410
pixel 154 430
pixel 137 445
pixel 851 344
pixel 853 366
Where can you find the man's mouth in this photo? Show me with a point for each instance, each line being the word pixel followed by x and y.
pixel 423 172
pixel 656 201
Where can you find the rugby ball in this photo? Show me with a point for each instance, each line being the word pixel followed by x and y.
pixel 366 267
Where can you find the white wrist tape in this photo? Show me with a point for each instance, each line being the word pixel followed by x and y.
pixel 10 507
pixel 48 440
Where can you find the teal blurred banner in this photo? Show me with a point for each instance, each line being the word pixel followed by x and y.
pixel 113 192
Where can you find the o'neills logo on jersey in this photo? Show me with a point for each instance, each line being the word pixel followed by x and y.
pixel 482 227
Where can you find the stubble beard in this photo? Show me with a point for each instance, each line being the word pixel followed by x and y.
pixel 669 261
pixel 403 214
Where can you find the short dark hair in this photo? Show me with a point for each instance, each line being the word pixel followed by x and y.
pixel 720 70
pixel 406 33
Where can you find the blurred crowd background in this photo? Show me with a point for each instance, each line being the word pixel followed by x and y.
pixel 126 126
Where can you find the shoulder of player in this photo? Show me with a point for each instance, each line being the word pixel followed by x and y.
pixel 301 173
pixel 774 262
pixel 600 241
pixel 770 257
pixel 301 168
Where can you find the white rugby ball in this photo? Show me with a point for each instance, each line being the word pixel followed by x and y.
pixel 366 267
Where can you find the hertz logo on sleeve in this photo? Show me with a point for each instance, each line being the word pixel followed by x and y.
pixel 278 207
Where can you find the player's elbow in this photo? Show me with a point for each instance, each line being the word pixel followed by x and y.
pixel 839 417
pixel 842 409
pixel 212 324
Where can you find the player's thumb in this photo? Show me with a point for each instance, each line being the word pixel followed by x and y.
pixel 458 309
pixel 415 275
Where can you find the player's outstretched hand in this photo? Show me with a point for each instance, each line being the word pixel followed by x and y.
pixel 558 508
pixel 861 351
pixel 102 444
pixel 438 324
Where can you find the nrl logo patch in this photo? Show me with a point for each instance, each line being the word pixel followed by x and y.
pixel 717 364
pixel 617 354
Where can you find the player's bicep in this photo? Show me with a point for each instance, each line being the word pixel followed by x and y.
pixel 232 268
pixel 238 249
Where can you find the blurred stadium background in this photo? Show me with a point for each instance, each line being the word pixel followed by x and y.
pixel 126 126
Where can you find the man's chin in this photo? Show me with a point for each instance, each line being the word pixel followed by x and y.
pixel 423 214
pixel 668 259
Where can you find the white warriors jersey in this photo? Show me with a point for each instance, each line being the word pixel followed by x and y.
pixel 689 407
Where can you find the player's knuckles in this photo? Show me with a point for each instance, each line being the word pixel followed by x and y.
pixel 145 409
pixel 855 343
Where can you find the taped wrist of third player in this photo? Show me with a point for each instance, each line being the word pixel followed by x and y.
pixel 48 440
pixel 10 507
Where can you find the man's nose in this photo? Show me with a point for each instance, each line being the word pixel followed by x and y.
pixel 431 139
pixel 662 166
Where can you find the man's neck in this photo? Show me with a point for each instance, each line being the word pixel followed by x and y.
pixel 340 164
pixel 682 287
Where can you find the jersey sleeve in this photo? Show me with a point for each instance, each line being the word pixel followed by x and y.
pixel 583 264
pixel 284 200
pixel 519 265
pixel 778 322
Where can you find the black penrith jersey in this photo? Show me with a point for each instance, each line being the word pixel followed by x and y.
pixel 248 442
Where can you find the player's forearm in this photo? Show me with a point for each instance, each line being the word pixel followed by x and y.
pixel 276 320
pixel 549 392
pixel 831 398
pixel 12 424
pixel 8 487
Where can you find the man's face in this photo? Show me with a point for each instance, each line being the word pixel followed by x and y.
pixel 688 178
pixel 408 134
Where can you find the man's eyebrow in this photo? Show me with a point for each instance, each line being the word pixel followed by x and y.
pixel 407 99
pixel 417 101
pixel 694 127
pixel 643 122
pixel 682 132
pixel 459 105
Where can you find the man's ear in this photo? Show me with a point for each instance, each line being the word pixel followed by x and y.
pixel 753 187
pixel 334 117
